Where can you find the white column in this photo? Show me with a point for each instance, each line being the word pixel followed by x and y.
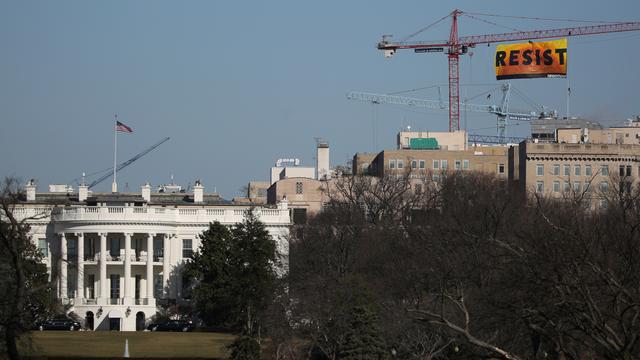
pixel 80 277
pixel 165 264
pixel 127 267
pixel 150 266
pixel 63 266
pixel 104 289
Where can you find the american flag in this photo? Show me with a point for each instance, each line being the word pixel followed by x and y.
pixel 122 127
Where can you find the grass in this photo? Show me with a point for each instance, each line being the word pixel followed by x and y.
pixel 105 344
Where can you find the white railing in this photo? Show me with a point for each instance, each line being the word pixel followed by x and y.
pixel 170 215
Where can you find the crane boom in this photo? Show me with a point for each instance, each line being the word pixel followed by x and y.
pixel 473 40
pixel 456 46
pixel 434 104
pixel 128 162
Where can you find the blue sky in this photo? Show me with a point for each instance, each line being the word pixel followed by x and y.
pixel 239 84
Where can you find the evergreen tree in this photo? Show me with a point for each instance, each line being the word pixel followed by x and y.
pixel 233 274
pixel 363 340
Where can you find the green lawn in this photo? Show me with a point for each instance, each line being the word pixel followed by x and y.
pixel 86 344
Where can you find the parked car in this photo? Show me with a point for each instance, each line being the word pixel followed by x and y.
pixel 59 324
pixel 171 325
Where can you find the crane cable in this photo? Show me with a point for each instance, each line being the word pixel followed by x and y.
pixel 491 22
pixel 542 19
pixel 424 28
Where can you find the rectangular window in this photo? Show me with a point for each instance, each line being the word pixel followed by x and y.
pixel 72 249
pixel 115 248
pixel 115 286
pixel 539 186
pixel 465 164
pixel 392 164
pixel 436 164
pixel 556 170
pixel 567 170
pixel 540 169
pixel 604 170
pixel 90 284
pixel 566 187
pixel 445 164
pixel 556 186
pixel 414 164
pixel 628 170
pixel 500 168
pixel 299 188
pixel 621 170
pixel 587 170
pixel 400 164
pixel 421 164
pixel 576 170
pixel 187 248
pixel 436 177
pixel 604 186
pixel 136 292
pixel 43 248
pixel 577 186
pixel 458 164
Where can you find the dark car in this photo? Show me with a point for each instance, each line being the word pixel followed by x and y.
pixel 59 324
pixel 172 325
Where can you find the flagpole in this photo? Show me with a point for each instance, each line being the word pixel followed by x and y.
pixel 114 186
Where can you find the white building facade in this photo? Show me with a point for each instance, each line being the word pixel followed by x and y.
pixel 117 257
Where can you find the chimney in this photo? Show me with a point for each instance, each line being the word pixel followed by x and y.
pixel 146 192
pixel 83 192
pixel 283 204
pixel 322 158
pixel 198 192
pixel 31 190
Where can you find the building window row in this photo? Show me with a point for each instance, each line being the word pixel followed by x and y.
pixel 624 170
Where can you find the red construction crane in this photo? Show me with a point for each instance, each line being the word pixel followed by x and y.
pixel 457 46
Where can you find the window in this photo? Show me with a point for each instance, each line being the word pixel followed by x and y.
pixel 587 170
pixel 445 164
pixel 90 284
pixel 187 248
pixel 576 170
pixel 540 169
pixel 539 186
pixel 567 170
pixel 556 186
pixel 556 170
pixel 299 188
pixel 566 187
pixel 115 286
pixel 621 170
pixel 604 170
pixel 436 164
pixel 628 170
pixel 436 177
pixel 43 248
pixel 115 248
pixel 465 164
pixel 392 164
pixel 421 164
pixel 458 165
pixel 604 186
pixel 587 186
pixel 500 168
pixel 72 249
pixel 577 186
pixel 414 164
pixel 400 164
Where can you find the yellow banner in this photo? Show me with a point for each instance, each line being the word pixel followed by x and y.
pixel 532 60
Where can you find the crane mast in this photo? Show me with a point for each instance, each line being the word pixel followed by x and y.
pixel 457 46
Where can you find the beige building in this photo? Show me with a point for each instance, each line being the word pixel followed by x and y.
pixel 456 140
pixel 488 159
pixel 305 196
pixel 613 135
pixel 558 169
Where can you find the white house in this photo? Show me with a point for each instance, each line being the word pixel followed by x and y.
pixel 117 256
